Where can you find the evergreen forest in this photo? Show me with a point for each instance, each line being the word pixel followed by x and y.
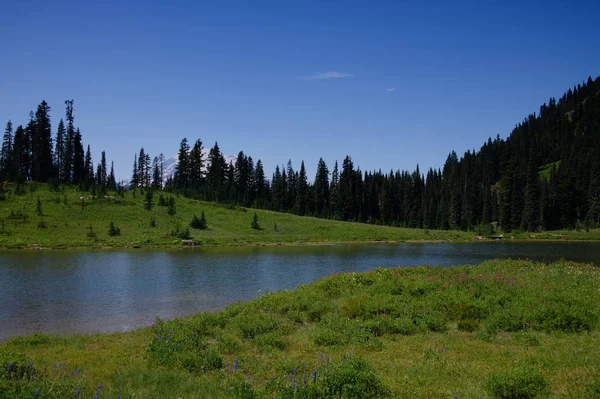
pixel 544 176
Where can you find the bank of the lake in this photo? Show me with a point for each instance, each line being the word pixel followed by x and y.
pixel 423 332
pixel 83 291
pixel 39 218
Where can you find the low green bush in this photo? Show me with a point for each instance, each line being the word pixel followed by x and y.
pixel 516 383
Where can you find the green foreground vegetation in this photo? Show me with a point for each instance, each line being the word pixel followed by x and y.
pixel 502 329
pixel 38 217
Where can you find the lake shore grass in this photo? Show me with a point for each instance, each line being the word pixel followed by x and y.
pixel 499 329
pixel 39 218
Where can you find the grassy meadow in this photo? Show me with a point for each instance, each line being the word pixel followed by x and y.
pixel 502 329
pixel 66 218
pixel 38 217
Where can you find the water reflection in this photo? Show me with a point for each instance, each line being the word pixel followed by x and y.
pixel 89 291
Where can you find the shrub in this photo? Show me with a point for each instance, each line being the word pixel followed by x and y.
pixel 468 325
pixel 251 325
pixel 113 230
pixel 199 223
pixel 171 210
pixel 91 233
pixel 148 200
pixel 516 383
pixel 38 207
pixel 201 361
pixel 351 378
pixel 254 223
pixel 178 232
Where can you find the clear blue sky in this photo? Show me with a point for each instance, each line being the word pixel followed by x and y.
pixel 392 84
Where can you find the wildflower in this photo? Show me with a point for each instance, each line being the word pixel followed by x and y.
pixel 314 376
pixel 235 364
pixel 78 392
pixel 36 393
pixel 119 395
pixel 98 391
pixel 9 366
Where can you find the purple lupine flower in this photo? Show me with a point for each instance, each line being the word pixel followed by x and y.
pixel 235 364
pixel 78 392
pixel 98 391
pixel 36 393
pixel 54 365
pixel 327 359
pixel 119 395
pixel 73 373
pixel 314 376
pixel 304 379
pixel 9 366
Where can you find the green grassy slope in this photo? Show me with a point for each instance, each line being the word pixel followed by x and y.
pixel 507 329
pixel 68 222
pixel 67 216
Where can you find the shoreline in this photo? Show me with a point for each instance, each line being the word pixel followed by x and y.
pixel 475 240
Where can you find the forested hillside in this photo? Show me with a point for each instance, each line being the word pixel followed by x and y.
pixel 545 175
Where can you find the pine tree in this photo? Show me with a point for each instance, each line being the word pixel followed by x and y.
pixel 302 191
pixel 59 152
pixel 181 178
pixel 334 192
pixel 112 182
pixel 43 168
pixel 148 200
pixel 255 225
pixel 322 189
pixel 594 194
pixel 531 208
pixel 196 165
pixel 6 155
pixel 156 175
pixel 216 174
pixel 68 143
pixel 134 176
pixel 78 168
pixel 259 185
pixel 103 176
pixel 19 155
pixel 142 171
pixel 89 168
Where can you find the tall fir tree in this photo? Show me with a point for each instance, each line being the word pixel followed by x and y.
pixel 6 155
pixel 68 143
pixel 59 151
pixel 78 159
pixel 43 167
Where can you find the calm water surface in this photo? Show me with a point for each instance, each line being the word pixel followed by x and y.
pixel 93 291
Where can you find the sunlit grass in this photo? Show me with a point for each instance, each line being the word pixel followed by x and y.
pixel 398 331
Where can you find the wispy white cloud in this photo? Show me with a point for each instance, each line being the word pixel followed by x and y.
pixel 390 89
pixel 328 75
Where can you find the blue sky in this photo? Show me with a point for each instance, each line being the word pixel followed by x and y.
pixel 390 83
